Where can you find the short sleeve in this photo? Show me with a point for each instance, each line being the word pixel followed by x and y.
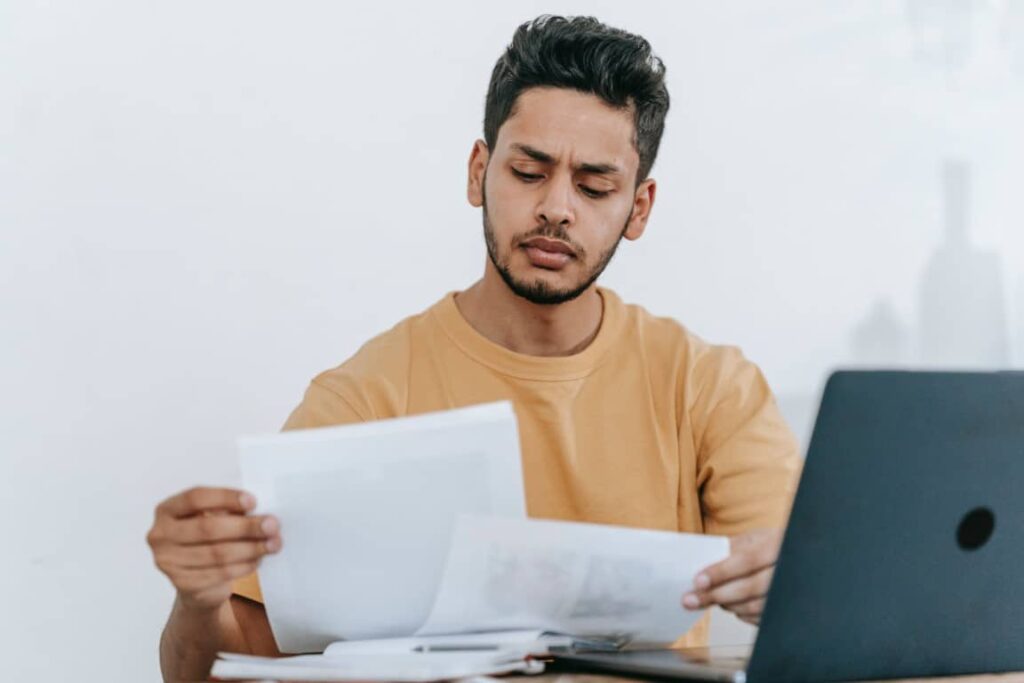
pixel 748 459
pixel 323 406
pixel 248 587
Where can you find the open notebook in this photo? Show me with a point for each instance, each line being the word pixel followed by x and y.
pixel 408 668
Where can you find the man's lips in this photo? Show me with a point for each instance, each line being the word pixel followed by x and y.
pixel 548 254
pixel 553 246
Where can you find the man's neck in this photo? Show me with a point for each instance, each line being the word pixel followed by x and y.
pixel 494 311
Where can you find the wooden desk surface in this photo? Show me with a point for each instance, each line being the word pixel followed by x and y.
pixel 593 678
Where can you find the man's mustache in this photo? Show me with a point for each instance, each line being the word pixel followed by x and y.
pixel 552 232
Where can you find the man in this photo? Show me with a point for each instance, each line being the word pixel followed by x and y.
pixel 625 418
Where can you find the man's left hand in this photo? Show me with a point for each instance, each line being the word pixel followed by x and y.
pixel 739 583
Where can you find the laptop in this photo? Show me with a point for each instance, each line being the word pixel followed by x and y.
pixel 904 551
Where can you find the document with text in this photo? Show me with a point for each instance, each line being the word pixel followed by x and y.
pixel 367 513
pixel 585 580
pixel 414 530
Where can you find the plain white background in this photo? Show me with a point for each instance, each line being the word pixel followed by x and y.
pixel 203 204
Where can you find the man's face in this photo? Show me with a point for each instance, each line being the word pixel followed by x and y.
pixel 558 193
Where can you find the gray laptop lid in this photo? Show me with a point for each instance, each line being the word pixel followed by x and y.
pixel 904 554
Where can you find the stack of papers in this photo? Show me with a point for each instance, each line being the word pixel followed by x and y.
pixel 405 659
pixel 410 668
pixel 408 556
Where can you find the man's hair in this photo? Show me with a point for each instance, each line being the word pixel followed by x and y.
pixel 583 54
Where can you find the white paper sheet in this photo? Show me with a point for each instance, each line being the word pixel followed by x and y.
pixel 408 668
pixel 367 513
pixel 580 579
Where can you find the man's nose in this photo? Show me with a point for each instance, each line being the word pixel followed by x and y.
pixel 556 204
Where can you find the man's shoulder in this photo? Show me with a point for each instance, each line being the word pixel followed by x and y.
pixel 696 364
pixel 384 359
pixel 663 334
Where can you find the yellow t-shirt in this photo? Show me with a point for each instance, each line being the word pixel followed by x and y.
pixel 649 426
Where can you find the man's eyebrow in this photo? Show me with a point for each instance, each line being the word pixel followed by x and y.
pixel 533 153
pixel 544 157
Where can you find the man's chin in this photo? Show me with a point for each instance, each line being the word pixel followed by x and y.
pixel 542 291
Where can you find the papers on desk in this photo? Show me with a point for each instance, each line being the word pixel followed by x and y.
pixel 406 538
pixel 403 659
pixel 605 585
pixel 409 667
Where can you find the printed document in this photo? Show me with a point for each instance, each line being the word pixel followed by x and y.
pixel 584 580
pixel 405 530
pixel 367 513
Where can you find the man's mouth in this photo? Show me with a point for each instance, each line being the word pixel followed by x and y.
pixel 551 246
pixel 548 254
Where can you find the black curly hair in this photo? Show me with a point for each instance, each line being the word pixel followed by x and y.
pixel 583 54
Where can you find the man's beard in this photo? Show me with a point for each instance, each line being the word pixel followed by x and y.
pixel 538 291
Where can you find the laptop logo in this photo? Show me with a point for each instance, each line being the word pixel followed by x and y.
pixel 975 528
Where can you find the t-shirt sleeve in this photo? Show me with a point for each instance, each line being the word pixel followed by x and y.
pixel 321 406
pixel 748 460
pixel 326 404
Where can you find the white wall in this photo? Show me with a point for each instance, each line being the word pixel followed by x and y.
pixel 203 204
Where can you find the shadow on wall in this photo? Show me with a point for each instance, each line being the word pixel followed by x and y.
pixel 962 320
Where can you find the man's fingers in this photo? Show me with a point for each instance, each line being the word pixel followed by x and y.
pixel 733 592
pixel 200 499
pixel 749 553
pixel 217 528
pixel 217 554
pixel 204 538
pixel 745 589
pixel 734 567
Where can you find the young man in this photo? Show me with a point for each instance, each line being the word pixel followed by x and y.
pixel 625 418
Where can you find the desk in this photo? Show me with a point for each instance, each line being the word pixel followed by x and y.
pixel 572 677
pixel 593 678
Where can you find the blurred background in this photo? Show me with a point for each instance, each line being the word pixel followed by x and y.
pixel 203 204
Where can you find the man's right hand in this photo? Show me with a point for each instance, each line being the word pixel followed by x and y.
pixel 204 538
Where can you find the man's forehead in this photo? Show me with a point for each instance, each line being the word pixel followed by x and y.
pixel 561 123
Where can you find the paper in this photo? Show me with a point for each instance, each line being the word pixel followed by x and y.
pixel 409 668
pixel 579 579
pixel 367 513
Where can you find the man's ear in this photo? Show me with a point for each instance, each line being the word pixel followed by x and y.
pixel 643 201
pixel 478 158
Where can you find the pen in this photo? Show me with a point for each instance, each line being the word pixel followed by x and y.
pixel 454 647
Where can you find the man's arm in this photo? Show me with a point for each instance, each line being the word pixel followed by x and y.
pixel 748 466
pixel 193 637
pixel 748 460
pixel 203 539
pixel 191 640
pixel 252 619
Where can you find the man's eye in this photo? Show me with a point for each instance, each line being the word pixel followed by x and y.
pixel 589 191
pixel 526 176
pixel 596 194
